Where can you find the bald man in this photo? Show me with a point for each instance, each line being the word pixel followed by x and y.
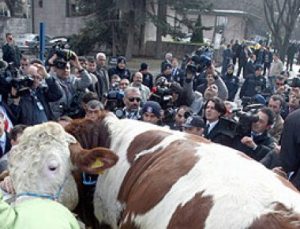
pixel 31 98
pixel 137 81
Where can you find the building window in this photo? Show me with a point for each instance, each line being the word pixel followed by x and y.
pixel 222 21
pixel 41 3
pixel 80 7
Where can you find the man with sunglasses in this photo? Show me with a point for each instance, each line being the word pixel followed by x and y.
pixel 132 100
pixel 11 52
pixel 72 87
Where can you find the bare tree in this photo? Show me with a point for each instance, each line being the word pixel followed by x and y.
pixel 281 16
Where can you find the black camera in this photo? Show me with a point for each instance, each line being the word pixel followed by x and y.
pixel 246 117
pixel 65 54
pixel 114 98
pixel 162 94
pixel 12 78
pixel 294 82
pixel 191 68
pixel 22 84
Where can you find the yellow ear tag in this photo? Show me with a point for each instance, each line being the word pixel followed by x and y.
pixel 97 164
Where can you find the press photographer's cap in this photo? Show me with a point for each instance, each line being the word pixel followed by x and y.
pixel 144 66
pixel 194 121
pixel 167 66
pixel 258 67
pixel 152 107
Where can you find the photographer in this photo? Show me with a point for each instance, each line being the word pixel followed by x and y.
pixel 71 86
pixel 31 103
pixel 259 143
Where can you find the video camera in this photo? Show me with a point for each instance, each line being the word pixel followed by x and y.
pixel 247 116
pixel 12 78
pixel 162 93
pixel 114 98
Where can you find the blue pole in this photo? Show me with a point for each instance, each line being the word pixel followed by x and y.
pixel 42 41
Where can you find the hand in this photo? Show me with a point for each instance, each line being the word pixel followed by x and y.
pixel 279 171
pixel 277 148
pixel 52 59
pixel 75 62
pixel 41 70
pixel 248 141
pixel 7 185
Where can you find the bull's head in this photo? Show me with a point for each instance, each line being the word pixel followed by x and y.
pixel 41 162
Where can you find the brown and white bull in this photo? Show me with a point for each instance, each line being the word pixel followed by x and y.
pixel 167 179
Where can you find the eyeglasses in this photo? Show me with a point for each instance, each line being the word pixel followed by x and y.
pixel 134 98
pixel 279 84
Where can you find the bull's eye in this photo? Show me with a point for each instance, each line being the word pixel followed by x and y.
pixel 52 168
pixel 53 165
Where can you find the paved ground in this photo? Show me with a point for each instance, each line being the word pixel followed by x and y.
pixel 154 65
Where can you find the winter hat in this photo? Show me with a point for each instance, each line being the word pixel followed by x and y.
pixel 152 107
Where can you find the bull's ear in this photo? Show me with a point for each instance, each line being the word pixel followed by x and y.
pixel 92 161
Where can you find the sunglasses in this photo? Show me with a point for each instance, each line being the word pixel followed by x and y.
pixel 134 98
pixel 279 84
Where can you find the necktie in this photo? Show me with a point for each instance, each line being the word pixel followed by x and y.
pixel 206 129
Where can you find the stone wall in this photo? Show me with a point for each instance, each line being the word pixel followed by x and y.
pixel 13 25
pixel 177 49
pixel 53 14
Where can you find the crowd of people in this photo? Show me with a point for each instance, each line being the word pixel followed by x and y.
pixel 193 98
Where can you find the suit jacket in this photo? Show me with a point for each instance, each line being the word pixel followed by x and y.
pixel 7 145
pixel 222 132
pixel 277 128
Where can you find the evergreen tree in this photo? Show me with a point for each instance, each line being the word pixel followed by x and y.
pixel 197 36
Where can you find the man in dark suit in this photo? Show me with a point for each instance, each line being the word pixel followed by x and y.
pixel 11 52
pixel 259 142
pixel 217 129
pixel 290 145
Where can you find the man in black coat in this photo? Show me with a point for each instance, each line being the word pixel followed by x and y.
pixel 290 147
pixel 259 143
pixel 120 69
pixel 254 84
pixel 11 52
pixel 32 105
pixel 217 129
pixel 231 82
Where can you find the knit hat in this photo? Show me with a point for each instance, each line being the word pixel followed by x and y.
pixel 260 99
pixel 258 67
pixel 121 59
pixel 166 66
pixel 194 121
pixel 152 107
